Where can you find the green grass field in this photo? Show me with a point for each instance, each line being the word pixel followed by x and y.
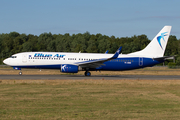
pixel 90 99
pixel 145 71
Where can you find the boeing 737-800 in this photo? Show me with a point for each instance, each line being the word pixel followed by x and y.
pixel 151 55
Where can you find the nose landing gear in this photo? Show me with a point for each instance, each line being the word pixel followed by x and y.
pixel 17 68
pixel 87 73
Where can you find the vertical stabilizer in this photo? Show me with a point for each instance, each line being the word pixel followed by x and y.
pixel 157 46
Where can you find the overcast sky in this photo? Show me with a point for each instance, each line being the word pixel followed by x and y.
pixel 120 18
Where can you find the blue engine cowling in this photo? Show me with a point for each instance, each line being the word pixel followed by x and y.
pixel 69 68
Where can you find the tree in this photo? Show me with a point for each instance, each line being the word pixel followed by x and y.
pixel 17 46
pixel 43 41
pixel 13 34
pixel 14 42
pixel 27 47
pixel 63 43
pixel 1 40
pixel 87 36
pixel 78 43
pixel 51 47
pixel 104 45
pixel 172 46
pixel 178 61
pixel 92 45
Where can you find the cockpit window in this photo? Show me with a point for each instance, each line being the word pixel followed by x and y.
pixel 13 56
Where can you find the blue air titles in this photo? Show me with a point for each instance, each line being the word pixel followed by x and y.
pixel 48 55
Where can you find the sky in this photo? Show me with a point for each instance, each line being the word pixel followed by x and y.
pixel 119 18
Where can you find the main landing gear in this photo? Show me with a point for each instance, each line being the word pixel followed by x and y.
pixel 87 73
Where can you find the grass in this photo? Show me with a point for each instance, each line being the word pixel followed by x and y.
pixel 90 99
pixel 145 71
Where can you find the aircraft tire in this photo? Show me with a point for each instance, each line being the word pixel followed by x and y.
pixel 87 73
pixel 20 73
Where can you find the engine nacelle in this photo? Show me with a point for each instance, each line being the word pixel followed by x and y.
pixel 69 68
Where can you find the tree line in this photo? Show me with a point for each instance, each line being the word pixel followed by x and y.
pixel 13 42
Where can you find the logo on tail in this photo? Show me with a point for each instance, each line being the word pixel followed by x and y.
pixel 161 37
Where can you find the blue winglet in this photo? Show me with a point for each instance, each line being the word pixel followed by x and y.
pixel 116 54
pixel 107 52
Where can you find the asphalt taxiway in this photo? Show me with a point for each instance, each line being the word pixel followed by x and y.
pixel 81 77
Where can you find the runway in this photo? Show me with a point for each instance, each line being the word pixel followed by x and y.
pixel 95 77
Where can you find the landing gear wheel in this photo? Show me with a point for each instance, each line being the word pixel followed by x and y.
pixel 20 73
pixel 87 73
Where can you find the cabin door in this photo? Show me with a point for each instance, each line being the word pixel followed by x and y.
pixel 140 61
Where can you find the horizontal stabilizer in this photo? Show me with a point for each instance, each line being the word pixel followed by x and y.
pixel 163 58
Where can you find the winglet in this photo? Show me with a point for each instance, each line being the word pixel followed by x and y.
pixel 107 52
pixel 116 54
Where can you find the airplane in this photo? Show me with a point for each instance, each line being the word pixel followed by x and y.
pixel 68 62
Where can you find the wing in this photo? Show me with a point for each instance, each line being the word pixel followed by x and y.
pixel 99 62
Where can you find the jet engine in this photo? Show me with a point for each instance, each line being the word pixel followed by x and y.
pixel 69 68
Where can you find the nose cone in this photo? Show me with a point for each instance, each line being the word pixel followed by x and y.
pixel 6 61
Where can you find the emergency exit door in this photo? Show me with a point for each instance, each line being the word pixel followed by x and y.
pixel 24 58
